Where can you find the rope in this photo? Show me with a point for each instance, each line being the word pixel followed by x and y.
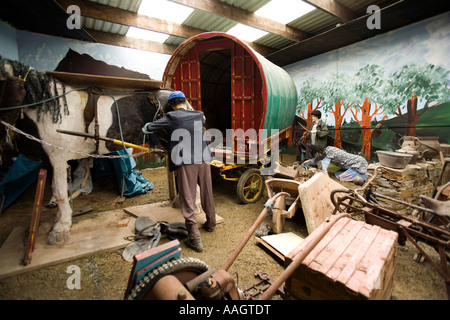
pixel 42 101
pixel 63 95
pixel 85 155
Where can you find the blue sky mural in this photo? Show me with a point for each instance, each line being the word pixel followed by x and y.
pixel 424 42
pixel 401 75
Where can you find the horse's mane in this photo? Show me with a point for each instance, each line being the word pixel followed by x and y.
pixel 38 86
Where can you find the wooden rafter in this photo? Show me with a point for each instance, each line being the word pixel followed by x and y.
pixel 107 13
pixel 128 42
pixel 237 14
pixel 335 8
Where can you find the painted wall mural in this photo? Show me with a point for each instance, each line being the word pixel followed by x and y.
pixel 375 92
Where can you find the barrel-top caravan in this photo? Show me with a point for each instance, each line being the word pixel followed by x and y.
pixel 236 88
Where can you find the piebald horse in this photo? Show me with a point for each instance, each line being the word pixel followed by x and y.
pixel 41 115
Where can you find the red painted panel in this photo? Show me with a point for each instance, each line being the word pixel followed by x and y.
pixel 190 78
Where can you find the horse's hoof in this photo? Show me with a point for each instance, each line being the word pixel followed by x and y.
pixel 55 238
pixel 51 205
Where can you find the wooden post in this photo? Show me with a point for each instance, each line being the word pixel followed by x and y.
pixel 35 216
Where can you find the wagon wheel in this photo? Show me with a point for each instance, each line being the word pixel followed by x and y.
pixel 250 186
pixel 184 269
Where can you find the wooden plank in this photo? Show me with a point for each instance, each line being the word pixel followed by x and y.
pixel 79 80
pixel 163 211
pixel 338 247
pixel 375 264
pixel 329 237
pixel 108 13
pixel 87 237
pixel 129 42
pixel 280 244
pixel 354 260
pixel 35 216
pixel 357 253
pixel 335 8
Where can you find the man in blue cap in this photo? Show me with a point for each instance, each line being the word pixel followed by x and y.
pixel 189 155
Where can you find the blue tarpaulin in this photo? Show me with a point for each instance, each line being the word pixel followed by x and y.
pixel 24 172
pixel 20 176
pixel 124 169
pixel 134 182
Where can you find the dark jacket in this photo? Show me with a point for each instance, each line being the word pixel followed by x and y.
pixel 186 145
pixel 321 135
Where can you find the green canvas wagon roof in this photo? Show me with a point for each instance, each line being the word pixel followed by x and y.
pixel 235 86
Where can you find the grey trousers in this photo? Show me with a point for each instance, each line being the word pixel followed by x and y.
pixel 188 176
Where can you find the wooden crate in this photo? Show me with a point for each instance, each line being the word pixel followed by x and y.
pixel 354 260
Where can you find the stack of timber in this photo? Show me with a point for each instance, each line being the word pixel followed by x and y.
pixel 353 261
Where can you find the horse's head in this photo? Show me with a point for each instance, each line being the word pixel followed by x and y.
pixel 12 94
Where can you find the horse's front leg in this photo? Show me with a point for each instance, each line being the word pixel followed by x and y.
pixel 63 220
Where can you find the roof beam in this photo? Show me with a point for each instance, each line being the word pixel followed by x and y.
pixel 237 14
pixel 335 8
pixel 107 13
pixel 128 42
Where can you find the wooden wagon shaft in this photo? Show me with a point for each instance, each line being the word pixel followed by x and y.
pixel 115 141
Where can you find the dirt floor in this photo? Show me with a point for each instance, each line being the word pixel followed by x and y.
pixel 104 276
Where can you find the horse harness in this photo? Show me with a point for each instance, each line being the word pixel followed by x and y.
pixel 91 111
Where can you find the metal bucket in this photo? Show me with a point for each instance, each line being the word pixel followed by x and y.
pixel 423 147
pixel 429 147
pixel 394 160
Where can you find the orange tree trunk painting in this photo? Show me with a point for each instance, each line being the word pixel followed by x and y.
pixel 365 123
pixel 338 119
pixel 427 84
pixel 337 92
pixel 369 82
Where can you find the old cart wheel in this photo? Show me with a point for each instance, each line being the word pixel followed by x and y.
pixel 250 186
pixel 184 269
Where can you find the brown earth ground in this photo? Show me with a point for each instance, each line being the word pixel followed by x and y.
pixel 104 275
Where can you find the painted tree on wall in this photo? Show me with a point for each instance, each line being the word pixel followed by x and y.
pixel 369 84
pixel 414 83
pixel 338 100
pixel 310 99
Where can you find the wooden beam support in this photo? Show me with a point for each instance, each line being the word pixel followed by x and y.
pixel 128 42
pixel 107 13
pixel 335 8
pixel 237 14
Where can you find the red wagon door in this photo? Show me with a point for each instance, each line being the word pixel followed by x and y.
pixel 245 96
pixel 243 89
pixel 189 78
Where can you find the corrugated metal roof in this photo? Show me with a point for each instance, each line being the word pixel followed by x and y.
pixel 313 23
pixel 208 22
pixel 249 5
pixel 99 25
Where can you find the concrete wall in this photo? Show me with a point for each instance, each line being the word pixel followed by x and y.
pixel 8 41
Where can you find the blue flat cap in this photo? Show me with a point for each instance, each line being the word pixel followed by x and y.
pixel 176 94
